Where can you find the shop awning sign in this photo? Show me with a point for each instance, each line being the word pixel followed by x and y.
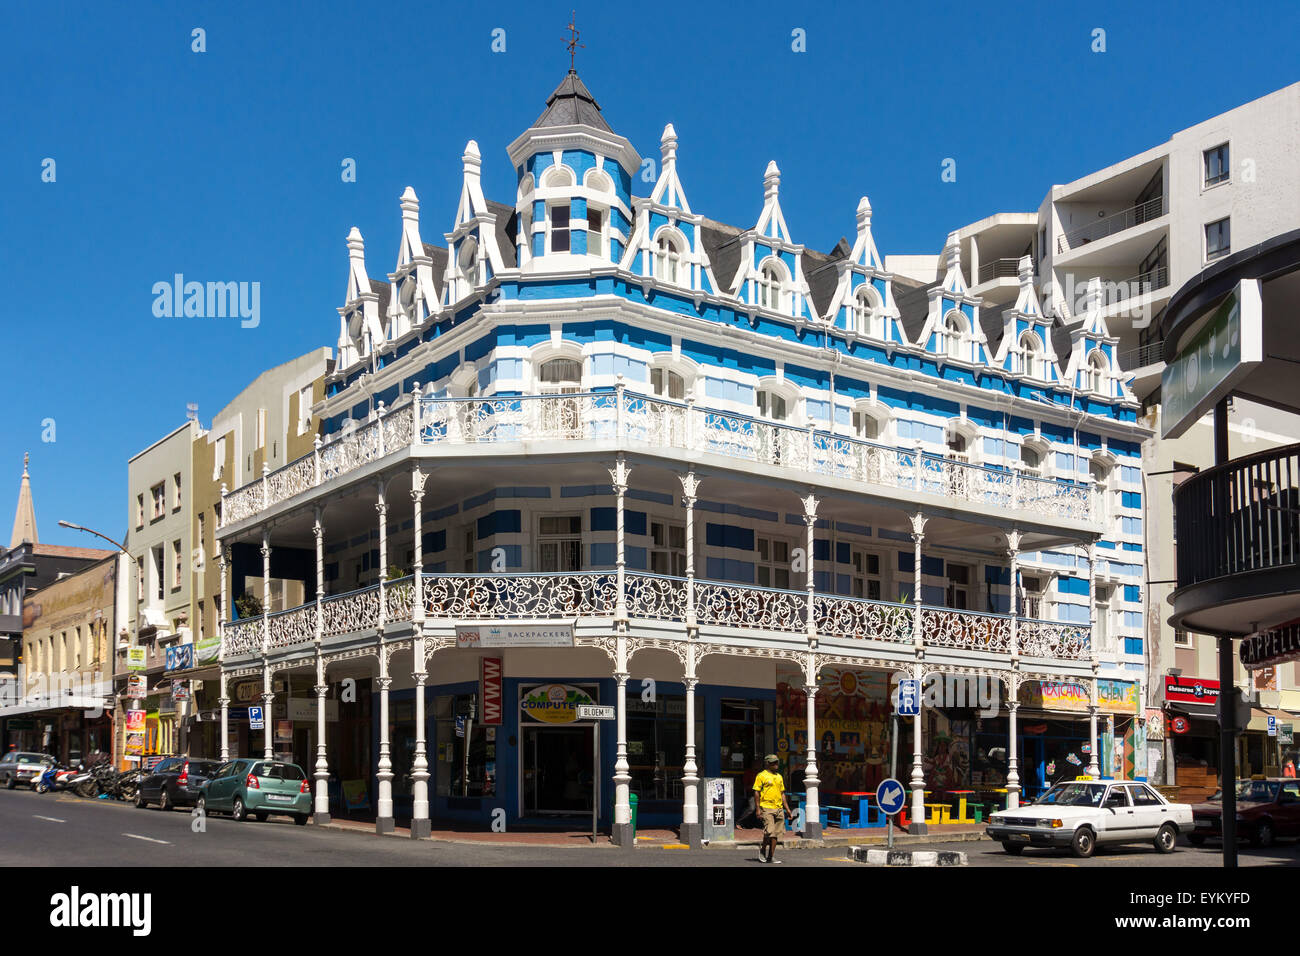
pixel 1269 648
pixel 180 657
pixel 490 635
pixel 1191 690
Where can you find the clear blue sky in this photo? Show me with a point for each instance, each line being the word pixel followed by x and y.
pixel 225 165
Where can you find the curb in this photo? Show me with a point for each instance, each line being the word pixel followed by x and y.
pixel 877 857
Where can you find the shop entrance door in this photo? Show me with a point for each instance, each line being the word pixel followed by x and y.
pixel 559 778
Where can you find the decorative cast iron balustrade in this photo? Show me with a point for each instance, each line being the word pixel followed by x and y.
pixel 1053 639
pixel 653 597
pixel 243 636
pixel 626 419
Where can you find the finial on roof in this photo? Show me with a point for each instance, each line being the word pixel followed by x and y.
pixel 27 456
pixel 356 245
pixel 864 213
pixel 1026 270
pixel 472 159
pixel 952 251
pixel 410 203
pixel 25 515
pixel 572 43
pixel 771 179
pixel 668 144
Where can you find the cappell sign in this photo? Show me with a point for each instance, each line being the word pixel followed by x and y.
pixel 1269 648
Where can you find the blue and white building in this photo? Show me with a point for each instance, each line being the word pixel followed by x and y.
pixel 599 447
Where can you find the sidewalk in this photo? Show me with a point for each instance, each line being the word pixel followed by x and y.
pixel 667 839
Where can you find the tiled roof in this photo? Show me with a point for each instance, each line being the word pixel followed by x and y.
pixel 572 105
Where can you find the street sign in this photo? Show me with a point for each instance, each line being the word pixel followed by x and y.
pixel 909 697
pixel 1286 734
pixel 255 721
pixel 460 725
pixel 1272 726
pixel 890 796
pixel 595 712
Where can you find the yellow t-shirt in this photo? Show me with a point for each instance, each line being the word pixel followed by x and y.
pixel 769 787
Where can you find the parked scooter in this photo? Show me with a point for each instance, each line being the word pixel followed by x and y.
pixel 82 783
pixel 54 777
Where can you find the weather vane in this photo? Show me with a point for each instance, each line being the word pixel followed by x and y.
pixel 572 42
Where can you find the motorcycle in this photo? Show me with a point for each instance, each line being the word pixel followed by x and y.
pixel 54 777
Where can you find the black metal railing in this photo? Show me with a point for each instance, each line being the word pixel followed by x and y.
pixel 1133 216
pixel 1240 517
pixel 1153 353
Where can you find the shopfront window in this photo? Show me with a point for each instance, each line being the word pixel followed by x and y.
pixel 463 771
pixel 656 749
pixel 746 735
pixel 401 716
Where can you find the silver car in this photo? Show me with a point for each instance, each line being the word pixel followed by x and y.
pixel 21 767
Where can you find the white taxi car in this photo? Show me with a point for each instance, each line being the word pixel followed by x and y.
pixel 1084 812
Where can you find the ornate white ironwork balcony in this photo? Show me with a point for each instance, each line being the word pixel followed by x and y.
pixel 625 419
pixel 658 598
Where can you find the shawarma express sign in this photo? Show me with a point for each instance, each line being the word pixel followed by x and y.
pixel 1274 646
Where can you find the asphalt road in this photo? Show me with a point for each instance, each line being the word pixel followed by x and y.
pixel 62 830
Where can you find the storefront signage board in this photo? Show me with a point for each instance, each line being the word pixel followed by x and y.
pixel 552 703
pixel 304 709
pixel 1269 648
pixel 135 687
pixel 1286 734
pixel 1191 690
pixel 1225 350
pixel 489 671
pixel 135 721
pixel 514 635
pixel 135 658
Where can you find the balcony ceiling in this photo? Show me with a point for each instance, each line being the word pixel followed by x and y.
pixel 1126 248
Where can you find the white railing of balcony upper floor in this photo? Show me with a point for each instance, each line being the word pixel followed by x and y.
pixel 627 419
pixel 659 598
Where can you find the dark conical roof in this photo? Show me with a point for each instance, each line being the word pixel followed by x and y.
pixel 572 105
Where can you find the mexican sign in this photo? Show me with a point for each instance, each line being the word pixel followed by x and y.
pixel 514 635
pixel 1113 696
pixel 1227 347
pixel 553 703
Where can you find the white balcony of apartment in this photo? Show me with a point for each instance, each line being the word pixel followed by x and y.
pixel 526 429
pixel 991 253
pixel 1111 222
pixel 560 584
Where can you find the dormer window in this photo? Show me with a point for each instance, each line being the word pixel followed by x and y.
pixel 769 287
pixel 866 313
pixel 406 296
pixel 1031 356
pixel 954 337
pixel 772 405
pixel 1031 459
pixel 468 263
pixel 561 376
pixel 1094 376
pixel 667 259
pixel 559 222
pixel 866 426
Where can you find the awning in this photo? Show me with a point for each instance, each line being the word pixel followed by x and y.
pixel 1259 718
pixel 1201 711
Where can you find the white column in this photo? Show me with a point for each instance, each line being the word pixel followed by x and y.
pixel 690 834
pixel 1013 605
pixel 810 519
pixel 619 475
pixel 420 825
pixel 222 617
pixel 384 818
pixel 322 797
pixel 812 819
pixel 1013 757
pixel 268 702
pixel 1093 764
pixel 224 701
pixel 266 591
pixel 917 781
pixel 622 831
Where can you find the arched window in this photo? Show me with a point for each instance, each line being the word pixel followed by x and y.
pixel 866 313
pixel 1095 376
pixel 769 284
pixel 561 375
pixel 773 405
pixel 668 258
pixel 666 383
pixel 868 426
pixel 1031 356
pixel 954 336
pixel 467 262
pixel 557 177
pixel 598 180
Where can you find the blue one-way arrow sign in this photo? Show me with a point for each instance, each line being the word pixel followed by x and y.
pixel 890 796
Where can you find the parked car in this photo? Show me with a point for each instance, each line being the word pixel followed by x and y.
pixel 1266 809
pixel 174 782
pixel 1082 813
pixel 22 767
pixel 246 786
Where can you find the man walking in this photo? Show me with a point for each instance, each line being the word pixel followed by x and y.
pixel 773 807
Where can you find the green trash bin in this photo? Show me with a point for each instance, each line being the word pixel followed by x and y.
pixel 632 799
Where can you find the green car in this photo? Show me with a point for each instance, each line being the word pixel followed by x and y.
pixel 247 787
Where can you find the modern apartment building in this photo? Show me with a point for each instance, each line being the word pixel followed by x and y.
pixel 1129 236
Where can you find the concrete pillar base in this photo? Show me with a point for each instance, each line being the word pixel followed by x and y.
pixel 420 829
pixel 320 819
pixel 620 834
pixel 691 835
pixel 918 828
pixel 384 825
pixel 812 830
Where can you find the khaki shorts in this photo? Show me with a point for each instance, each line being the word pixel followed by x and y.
pixel 773 822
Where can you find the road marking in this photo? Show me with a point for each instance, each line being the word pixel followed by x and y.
pixel 51 819
pixel 136 836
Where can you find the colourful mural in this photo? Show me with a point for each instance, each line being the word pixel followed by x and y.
pixel 852 714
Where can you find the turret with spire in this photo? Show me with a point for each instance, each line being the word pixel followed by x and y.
pixel 25 516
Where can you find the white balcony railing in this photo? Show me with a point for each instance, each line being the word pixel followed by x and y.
pixel 624 419
pixel 659 598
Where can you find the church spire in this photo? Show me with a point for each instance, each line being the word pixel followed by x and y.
pixel 25 516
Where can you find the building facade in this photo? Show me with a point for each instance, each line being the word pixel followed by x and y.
pixel 604 450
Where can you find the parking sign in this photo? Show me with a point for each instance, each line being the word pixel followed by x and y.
pixel 909 697
pixel 255 721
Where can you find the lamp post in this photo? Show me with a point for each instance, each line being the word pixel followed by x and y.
pixel 135 702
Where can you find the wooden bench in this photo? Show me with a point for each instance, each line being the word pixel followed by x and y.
pixel 938 812
pixel 836 817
